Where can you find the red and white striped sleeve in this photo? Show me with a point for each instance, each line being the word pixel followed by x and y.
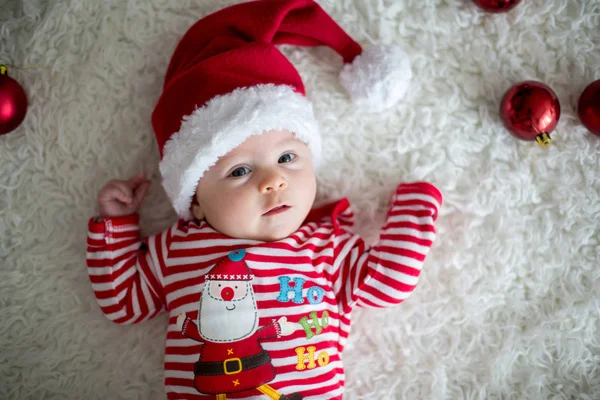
pixel 125 270
pixel 386 273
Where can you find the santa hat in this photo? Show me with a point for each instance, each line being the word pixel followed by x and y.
pixel 227 81
pixel 231 268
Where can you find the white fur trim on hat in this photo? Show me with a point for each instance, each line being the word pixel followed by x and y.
pixel 377 78
pixel 224 123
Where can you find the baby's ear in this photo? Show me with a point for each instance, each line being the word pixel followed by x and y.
pixel 196 209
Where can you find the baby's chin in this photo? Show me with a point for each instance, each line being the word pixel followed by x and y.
pixel 273 234
pixel 264 229
pixel 270 232
pixel 274 237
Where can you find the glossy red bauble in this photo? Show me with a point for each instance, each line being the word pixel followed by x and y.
pixel 530 110
pixel 13 103
pixel 588 107
pixel 496 6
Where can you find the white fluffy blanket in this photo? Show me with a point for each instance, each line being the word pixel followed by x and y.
pixel 508 306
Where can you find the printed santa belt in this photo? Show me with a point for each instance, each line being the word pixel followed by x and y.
pixel 231 365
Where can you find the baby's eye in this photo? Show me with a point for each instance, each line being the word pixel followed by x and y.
pixel 286 158
pixel 241 171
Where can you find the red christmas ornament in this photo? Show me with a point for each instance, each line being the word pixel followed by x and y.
pixel 530 111
pixel 589 107
pixel 13 102
pixel 496 6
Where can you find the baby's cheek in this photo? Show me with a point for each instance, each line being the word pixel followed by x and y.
pixel 237 209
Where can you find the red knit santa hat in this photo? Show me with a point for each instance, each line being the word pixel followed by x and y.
pixel 227 81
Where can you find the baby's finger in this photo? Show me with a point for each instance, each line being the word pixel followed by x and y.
pixel 111 192
pixel 135 181
pixel 122 192
pixel 140 192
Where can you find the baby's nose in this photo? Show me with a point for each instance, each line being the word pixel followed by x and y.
pixel 227 293
pixel 273 183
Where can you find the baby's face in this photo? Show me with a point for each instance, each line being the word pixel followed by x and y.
pixel 239 196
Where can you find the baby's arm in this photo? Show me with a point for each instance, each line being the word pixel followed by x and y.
pixel 123 269
pixel 387 273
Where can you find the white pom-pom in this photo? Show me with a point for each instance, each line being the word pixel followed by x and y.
pixel 377 78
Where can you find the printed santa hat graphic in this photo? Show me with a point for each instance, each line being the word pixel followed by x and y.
pixel 227 81
pixel 231 268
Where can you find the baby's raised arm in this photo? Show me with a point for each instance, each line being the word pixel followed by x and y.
pixel 125 270
pixel 386 273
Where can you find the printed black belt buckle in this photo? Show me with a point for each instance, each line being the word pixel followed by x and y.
pixel 236 363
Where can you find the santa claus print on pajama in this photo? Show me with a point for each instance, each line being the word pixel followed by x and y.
pixel 260 320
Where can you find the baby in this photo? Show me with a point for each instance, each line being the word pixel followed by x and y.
pixel 259 286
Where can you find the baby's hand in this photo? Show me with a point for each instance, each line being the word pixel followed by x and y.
pixel 119 198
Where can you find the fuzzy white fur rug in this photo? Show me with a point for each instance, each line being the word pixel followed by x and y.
pixel 508 306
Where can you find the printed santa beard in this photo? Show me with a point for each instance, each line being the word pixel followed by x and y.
pixel 228 311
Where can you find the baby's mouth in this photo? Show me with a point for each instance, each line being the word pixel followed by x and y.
pixel 277 210
pixel 230 309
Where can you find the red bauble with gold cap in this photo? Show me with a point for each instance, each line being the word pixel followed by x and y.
pixel 13 102
pixel 530 110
